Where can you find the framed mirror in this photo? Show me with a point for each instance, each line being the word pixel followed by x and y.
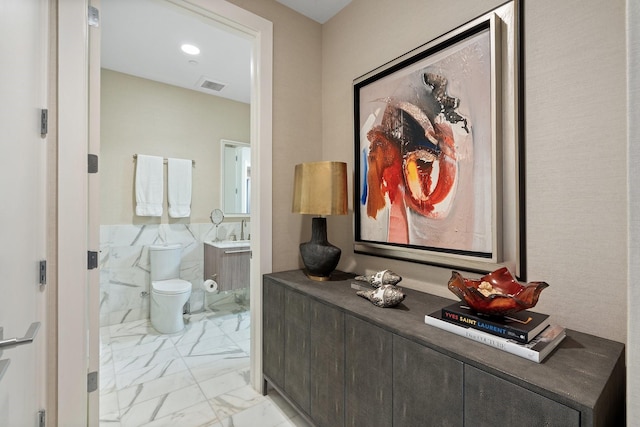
pixel 235 182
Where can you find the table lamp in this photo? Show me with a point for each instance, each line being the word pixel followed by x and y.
pixel 320 188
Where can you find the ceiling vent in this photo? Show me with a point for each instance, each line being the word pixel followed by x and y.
pixel 210 84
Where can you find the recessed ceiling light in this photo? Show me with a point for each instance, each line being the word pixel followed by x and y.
pixel 190 49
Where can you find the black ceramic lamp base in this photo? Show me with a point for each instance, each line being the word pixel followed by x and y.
pixel 319 256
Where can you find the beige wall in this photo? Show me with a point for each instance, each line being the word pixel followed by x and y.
pixel 140 116
pixel 633 103
pixel 297 118
pixel 575 136
pixel 575 129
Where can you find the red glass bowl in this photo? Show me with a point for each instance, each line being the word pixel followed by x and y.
pixel 513 297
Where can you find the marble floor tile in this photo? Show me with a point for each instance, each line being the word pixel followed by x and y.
pixel 199 415
pixel 264 414
pixel 119 343
pixel 201 331
pixel 227 314
pixel 236 325
pixel 225 383
pixel 150 389
pixel 161 406
pixel 107 380
pixel 106 356
pixel 135 327
pixel 245 345
pixel 105 337
pixel 199 377
pixel 296 421
pixel 207 371
pixel 109 408
pixel 142 349
pixel 282 404
pixel 203 366
pixel 235 401
pixel 124 364
pixel 209 347
pixel 149 373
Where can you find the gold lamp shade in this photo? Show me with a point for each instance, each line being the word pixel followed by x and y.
pixel 320 188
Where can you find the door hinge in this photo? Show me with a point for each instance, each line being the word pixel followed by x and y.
pixel 93 163
pixel 43 272
pixel 44 122
pixel 92 260
pixel 93 17
pixel 92 381
pixel 42 418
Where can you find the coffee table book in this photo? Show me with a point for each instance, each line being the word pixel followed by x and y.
pixel 535 350
pixel 521 326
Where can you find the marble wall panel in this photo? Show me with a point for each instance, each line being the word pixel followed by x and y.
pixel 125 269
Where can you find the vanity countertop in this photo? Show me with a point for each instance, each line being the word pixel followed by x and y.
pixel 226 244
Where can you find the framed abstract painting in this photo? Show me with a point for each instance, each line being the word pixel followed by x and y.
pixel 438 151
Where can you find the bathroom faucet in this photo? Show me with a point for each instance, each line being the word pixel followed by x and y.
pixel 242 229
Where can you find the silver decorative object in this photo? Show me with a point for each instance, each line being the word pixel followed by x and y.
pixel 385 296
pixel 383 277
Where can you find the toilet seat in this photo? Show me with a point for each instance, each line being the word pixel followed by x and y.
pixel 171 286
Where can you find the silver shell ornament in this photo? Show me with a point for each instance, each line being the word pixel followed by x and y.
pixel 383 277
pixel 385 296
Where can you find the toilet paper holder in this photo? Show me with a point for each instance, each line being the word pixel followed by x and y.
pixel 211 285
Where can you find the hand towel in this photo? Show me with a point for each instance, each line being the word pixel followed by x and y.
pixel 179 187
pixel 149 185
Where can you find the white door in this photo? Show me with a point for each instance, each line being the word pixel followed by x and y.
pixel 23 76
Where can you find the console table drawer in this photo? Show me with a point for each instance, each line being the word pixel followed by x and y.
pixel 427 386
pixel 493 402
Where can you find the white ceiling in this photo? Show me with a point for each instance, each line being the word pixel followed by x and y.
pixel 318 10
pixel 143 38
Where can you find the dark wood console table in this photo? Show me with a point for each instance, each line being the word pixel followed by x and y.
pixel 341 361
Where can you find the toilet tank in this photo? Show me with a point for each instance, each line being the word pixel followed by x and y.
pixel 165 261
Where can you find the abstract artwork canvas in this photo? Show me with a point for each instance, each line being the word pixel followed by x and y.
pixel 429 152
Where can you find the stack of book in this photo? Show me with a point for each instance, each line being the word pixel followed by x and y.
pixel 526 333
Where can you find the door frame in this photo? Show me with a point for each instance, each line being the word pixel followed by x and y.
pixel 73 206
pixel 72 247
pixel 51 214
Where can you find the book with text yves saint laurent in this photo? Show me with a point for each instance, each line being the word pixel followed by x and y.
pixel 536 349
pixel 522 326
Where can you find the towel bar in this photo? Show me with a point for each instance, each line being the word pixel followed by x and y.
pixel 135 157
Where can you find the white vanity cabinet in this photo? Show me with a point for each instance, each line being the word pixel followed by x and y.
pixel 227 263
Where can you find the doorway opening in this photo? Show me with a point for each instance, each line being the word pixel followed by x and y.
pixel 188 362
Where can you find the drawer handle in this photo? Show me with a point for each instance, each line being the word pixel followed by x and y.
pixel 28 337
pixel 239 251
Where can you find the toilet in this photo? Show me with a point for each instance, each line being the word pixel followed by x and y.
pixel 169 293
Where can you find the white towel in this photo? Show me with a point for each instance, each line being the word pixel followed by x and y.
pixel 179 188
pixel 149 185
